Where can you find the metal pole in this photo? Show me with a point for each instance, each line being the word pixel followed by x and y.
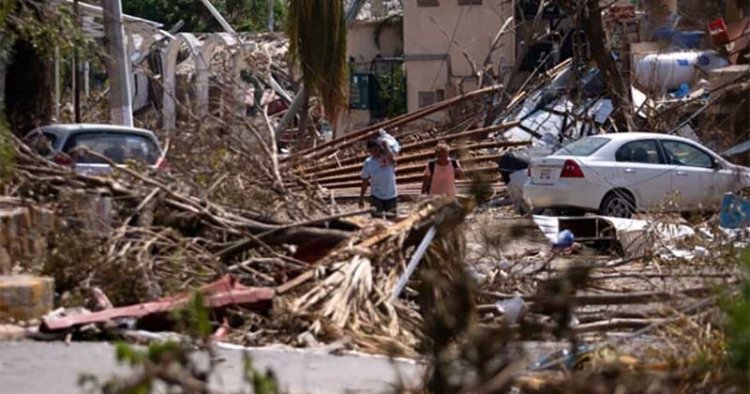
pixel 86 74
pixel 223 22
pixel 118 64
pixel 270 15
pixel 57 83
pixel 73 82
pixel 415 258
pixel 77 71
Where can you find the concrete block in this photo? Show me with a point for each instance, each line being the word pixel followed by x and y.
pixel 25 297
pixel 23 234
pixel 721 77
pixel 10 332
pixel 725 75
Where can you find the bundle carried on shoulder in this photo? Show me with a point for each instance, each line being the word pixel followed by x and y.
pixel 389 146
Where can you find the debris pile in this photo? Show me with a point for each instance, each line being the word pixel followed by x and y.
pixel 252 231
pixel 336 164
pixel 332 276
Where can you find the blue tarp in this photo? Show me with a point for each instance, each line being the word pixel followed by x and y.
pixel 735 212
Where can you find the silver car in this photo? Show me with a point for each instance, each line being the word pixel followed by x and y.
pixel 59 143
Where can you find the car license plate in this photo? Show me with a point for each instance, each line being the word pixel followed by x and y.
pixel 546 174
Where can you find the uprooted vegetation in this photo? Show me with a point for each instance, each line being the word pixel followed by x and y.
pixel 646 323
pixel 487 289
pixel 641 323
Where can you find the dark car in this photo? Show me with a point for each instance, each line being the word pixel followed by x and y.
pixel 63 143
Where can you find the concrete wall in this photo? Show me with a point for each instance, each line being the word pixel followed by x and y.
pixel 434 61
pixel 361 46
pixel 361 41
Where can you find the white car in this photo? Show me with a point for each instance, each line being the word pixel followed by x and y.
pixel 619 174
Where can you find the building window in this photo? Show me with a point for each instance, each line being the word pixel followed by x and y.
pixel 439 95
pixel 469 2
pixel 426 98
pixel 428 3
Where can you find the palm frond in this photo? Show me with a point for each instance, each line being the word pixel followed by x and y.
pixel 317 37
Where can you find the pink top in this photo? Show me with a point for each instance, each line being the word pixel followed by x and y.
pixel 443 180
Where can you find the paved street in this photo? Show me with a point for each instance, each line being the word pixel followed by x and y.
pixel 54 367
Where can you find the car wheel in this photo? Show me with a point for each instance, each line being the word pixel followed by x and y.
pixel 618 204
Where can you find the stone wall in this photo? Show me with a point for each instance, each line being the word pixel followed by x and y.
pixel 23 233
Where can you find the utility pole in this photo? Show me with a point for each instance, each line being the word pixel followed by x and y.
pixel 57 83
pixel 270 15
pixel 118 64
pixel 76 71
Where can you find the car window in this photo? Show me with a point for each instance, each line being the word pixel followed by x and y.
pixel 118 147
pixel 683 154
pixel 583 147
pixel 644 151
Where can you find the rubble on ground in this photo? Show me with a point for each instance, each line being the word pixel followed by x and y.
pixel 271 244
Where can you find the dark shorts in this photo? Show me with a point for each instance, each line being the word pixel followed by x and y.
pixel 383 206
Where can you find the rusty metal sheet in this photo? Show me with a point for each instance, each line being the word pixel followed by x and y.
pixel 224 292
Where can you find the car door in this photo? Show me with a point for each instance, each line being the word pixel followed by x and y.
pixel 642 170
pixel 699 179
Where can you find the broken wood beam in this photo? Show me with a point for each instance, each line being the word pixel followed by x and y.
pixel 415 189
pixel 405 149
pixel 413 177
pixel 403 169
pixel 362 134
pixel 423 155
pixel 611 299
pixel 614 324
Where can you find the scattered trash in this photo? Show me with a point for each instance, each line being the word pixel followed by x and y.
pixel 636 237
pixel 667 71
pixel 512 309
pixel 563 357
pixel 735 212
pixel 564 240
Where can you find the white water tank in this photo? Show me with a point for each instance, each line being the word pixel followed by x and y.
pixel 663 72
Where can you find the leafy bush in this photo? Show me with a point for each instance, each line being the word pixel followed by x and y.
pixel 738 328
pixel 173 364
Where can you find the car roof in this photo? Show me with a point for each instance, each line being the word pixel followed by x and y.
pixel 70 128
pixel 637 135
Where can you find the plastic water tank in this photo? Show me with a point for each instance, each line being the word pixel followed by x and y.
pixel 665 72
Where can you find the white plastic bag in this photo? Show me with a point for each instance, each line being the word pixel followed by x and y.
pixel 389 143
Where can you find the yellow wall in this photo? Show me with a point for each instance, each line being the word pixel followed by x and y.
pixel 428 31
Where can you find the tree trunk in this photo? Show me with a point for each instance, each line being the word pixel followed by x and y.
pixel 619 91
pixel 303 115
pixel 29 89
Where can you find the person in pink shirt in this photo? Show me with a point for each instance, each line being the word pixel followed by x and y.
pixel 441 173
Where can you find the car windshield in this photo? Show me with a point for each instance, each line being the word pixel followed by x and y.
pixel 583 147
pixel 118 147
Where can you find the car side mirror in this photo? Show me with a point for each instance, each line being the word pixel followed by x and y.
pixel 716 165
